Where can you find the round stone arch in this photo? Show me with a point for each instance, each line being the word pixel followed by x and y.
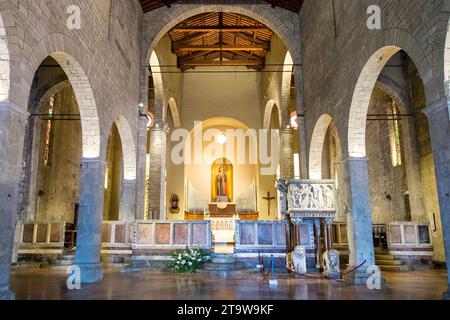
pixel 398 40
pixel 162 20
pixel 5 63
pixel 58 46
pixel 172 106
pixel 157 83
pixel 317 144
pixel 180 12
pixel 128 148
pixel 268 114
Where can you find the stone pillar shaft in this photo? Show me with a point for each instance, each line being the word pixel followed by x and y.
pixel 128 200
pixel 12 123
pixel 157 183
pixel 439 123
pixel 359 218
pixel 286 154
pixel 90 218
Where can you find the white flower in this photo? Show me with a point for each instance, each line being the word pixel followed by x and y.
pixel 183 262
pixel 199 260
pixel 190 263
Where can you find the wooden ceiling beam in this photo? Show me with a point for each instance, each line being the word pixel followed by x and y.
pixel 234 63
pixel 222 48
pixel 218 29
pixel 195 37
pixel 248 56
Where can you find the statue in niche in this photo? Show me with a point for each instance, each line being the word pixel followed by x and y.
pixel 221 180
pixel 174 207
pixel 331 264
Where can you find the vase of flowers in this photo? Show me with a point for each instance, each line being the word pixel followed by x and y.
pixel 207 214
pixel 188 261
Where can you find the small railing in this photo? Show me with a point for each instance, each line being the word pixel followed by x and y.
pixel 339 234
pixel 42 233
pixel 409 234
pixel 171 234
pixel 260 234
pixel 115 233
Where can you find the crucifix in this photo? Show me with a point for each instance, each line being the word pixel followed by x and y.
pixel 269 198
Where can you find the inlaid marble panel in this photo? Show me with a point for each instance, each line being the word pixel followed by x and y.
pixel 265 234
pixel 162 231
pixel 396 236
pixel 145 234
pixel 410 235
pixel 304 235
pixel 199 234
pixel 281 235
pixel 343 232
pixel 41 234
pixel 55 233
pixel 121 232
pixel 247 234
pixel 106 233
pixel 28 233
pixel 181 233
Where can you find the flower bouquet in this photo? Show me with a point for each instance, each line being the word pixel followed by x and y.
pixel 188 261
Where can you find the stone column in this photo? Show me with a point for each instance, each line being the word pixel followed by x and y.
pixel 286 154
pixel 439 123
pixel 317 229
pixel 359 219
pixel 141 168
pixel 128 201
pixel 299 90
pixel 89 237
pixel 157 187
pixel 13 121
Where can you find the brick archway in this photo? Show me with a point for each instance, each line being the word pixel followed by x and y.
pixel 268 113
pixel 128 148
pixel 69 56
pixel 317 145
pixel 5 67
pixel 174 112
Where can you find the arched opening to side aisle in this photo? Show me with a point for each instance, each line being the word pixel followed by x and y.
pixel 388 128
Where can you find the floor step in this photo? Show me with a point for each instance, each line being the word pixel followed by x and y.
pixel 223 258
pixel 384 257
pixel 390 262
pixel 67 257
pixel 402 268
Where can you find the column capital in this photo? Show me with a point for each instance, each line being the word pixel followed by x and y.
pixel 161 126
pixel 15 108
pixel 436 106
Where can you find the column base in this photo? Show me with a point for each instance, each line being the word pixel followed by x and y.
pixel 446 295
pixel 7 294
pixel 91 273
pixel 361 277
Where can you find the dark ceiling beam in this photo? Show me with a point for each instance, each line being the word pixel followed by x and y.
pixel 248 56
pixel 222 48
pixel 233 63
pixel 192 38
pixel 218 29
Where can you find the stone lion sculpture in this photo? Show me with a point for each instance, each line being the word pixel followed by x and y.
pixel 331 262
pixel 296 260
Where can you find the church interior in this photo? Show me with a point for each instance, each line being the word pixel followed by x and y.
pixel 292 149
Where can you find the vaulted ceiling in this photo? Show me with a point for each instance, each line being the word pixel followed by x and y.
pixel 220 39
pixel 293 5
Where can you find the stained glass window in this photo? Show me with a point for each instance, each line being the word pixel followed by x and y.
pixel 394 136
pixel 49 133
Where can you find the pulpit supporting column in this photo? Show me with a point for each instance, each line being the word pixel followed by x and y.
pixel 89 237
pixel 328 233
pixel 317 227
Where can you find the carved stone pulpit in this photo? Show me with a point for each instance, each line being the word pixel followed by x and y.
pixel 309 209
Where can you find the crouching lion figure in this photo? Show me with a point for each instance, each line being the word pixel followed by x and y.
pixel 296 260
pixel 331 264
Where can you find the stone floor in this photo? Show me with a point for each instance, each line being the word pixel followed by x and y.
pixel 50 285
